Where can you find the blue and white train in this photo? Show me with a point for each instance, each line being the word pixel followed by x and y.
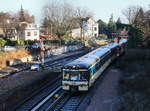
pixel 80 74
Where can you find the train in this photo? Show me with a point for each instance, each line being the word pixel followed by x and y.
pixel 80 74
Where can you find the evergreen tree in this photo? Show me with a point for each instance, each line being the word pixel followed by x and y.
pixel 22 16
pixel 139 20
pixel 135 37
pixel 111 26
pixel 102 27
pixel 45 22
pixel 33 19
pixel 119 25
pixel 147 22
pixel 118 21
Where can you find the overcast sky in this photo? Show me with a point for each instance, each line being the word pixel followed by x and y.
pixel 102 9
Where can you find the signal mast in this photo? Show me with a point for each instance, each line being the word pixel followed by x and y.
pixel 43 37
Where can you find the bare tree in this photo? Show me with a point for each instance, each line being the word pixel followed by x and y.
pixel 130 13
pixel 63 16
pixel 5 21
pixel 59 17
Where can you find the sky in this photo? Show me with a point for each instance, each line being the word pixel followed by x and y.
pixel 101 9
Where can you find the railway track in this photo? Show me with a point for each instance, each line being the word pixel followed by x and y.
pixel 69 103
pixel 60 100
pixel 37 96
pixel 51 97
pixel 63 102
pixel 26 67
pixel 43 91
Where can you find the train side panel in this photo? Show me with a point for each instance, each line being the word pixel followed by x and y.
pixel 95 63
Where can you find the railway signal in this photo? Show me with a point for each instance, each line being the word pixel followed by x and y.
pixel 42 38
pixel 117 35
pixel 118 46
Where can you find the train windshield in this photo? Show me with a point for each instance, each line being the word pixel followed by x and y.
pixel 75 75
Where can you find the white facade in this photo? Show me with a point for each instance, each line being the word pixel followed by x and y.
pixel 90 29
pixel 29 31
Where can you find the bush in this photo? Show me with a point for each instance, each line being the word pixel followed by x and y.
pixel 135 39
pixel 67 37
pixel 28 42
pixel 20 42
pixel 2 42
pixel 11 43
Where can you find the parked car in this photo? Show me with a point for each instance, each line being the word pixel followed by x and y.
pixel 36 67
pixel 8 48
pixel 36 45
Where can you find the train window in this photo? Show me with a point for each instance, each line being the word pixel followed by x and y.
pixel 84 76
pixel 94 70
pixel 97 66
pixel 75 75
pixel 101 62
pixel 90 72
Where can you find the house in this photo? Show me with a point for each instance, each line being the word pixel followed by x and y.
pixel 90 29
pixel 12 34
pixel 28 31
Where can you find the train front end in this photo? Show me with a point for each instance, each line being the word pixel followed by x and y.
pixel 75 80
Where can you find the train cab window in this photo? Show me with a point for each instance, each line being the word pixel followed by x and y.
pixel 84 75
pixel 74 77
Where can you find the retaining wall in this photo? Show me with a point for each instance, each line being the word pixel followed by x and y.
pixel 48 53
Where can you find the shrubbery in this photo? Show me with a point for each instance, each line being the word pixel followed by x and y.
pixel 2 42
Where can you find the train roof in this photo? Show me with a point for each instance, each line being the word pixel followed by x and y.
pixel 122 41
pixel 110 46
pixel 87 60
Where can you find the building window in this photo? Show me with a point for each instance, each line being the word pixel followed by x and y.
pixel 95 35
pixel 95 28
pixel 35 33
pixel 28 33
